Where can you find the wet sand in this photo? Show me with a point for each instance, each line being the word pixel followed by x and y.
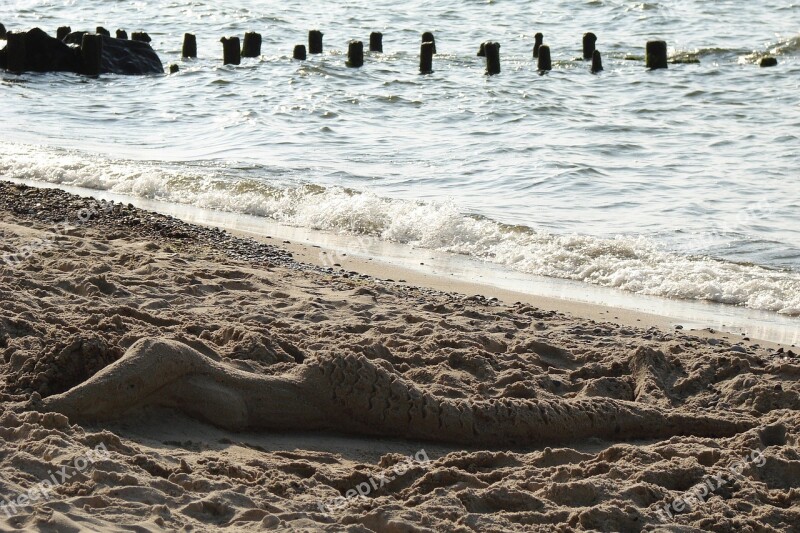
pixel 174 377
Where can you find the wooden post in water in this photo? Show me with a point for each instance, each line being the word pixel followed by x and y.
pixel 189 45
pixel 597 62
pixel 589 40
pixel 62 32
pixel 544 63
pixel 376 42
pixel 492 50
pixel 122 34
pixel 656 55
pixel 299 52
pixel 102 31
pixel 16 51
pixel 427 37
pixel 355 54
pixel 426 58
pixel 3 32
pixel 140 36
pixel 231 51
pixel 538 39
pixel 482 50
pixel 315 42
pixel 252 45
pixel 92 53
pixel 768 61
pixel 173 68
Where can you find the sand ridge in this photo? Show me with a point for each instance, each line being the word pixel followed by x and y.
pixel 345 376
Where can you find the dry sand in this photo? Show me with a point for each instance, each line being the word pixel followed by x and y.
pixel 162 376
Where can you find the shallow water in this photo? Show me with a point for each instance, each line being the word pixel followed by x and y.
pixel 678 183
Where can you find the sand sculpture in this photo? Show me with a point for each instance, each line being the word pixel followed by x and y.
pixel 353 395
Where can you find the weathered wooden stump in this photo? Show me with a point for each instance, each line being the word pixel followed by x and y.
pixel 16 51
pixel 252 45
pixel 355 54
pixel 141 36
pixel 189 45
pixel 92 53
pixel 656 55
pixel 544 63
pixel 589 40
pixel 315 42
pixel 426 58
pixel 231 51
pixel 492 50
pixel 597 62
pixel 376 42
pixel 538 39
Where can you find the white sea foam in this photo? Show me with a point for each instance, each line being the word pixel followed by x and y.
pixel 630 263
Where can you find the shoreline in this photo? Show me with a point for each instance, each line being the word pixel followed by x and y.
pixel 145 336
pixel 389 261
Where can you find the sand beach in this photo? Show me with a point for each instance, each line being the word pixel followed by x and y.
pixel 161 376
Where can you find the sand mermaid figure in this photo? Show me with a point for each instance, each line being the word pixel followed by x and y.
pixel 353 395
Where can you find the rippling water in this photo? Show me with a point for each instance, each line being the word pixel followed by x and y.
pixel 680 183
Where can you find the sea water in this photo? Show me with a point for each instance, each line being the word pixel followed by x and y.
pixel 679 183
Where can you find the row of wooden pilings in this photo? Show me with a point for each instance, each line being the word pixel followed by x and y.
pixel 63 31
pixel 233 51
